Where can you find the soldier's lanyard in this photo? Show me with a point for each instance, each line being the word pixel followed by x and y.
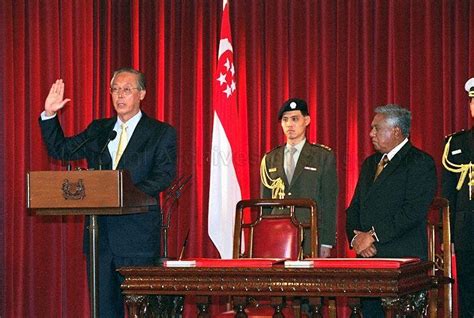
pixel 276 185
pixel 462 169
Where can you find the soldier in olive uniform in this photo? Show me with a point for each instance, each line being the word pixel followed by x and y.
pixel 458 188
pixel 303 170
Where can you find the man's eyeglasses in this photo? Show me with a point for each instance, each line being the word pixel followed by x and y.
pixel 127 91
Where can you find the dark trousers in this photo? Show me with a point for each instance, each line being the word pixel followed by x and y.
pixel 111 301
pixel 465 280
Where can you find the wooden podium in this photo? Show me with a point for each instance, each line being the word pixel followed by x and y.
pixel 86 192
pixel 90 192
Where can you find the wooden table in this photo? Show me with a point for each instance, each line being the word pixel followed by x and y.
pixel 399 288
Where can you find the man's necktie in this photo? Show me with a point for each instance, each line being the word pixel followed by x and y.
pixel 290 166
pixel 381 165
pixel 121 146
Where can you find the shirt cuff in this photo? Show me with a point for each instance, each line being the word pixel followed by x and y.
pixel 374 234
pixel 46 117
pixel 352 241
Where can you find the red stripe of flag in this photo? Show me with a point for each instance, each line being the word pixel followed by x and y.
pixel 227 143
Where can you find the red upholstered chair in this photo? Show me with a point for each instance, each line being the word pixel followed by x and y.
pixel 273 235
pixel 440 297
pixel 260 234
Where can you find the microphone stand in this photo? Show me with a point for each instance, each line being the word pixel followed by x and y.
pixel 93 266
pixel 111 137
pixel 172 196
pixel 93 231
pixel 93 251
pixel 73 152
pixel 94 243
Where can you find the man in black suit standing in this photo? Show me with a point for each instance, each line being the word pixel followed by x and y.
pixel 146 148
pixel 387 215
pixel 458 188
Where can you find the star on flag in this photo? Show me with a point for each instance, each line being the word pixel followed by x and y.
pixel 226 78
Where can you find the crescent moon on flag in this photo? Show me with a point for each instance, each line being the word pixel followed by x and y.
pixel 224 45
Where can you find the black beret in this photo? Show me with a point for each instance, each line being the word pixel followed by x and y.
pixel 293 104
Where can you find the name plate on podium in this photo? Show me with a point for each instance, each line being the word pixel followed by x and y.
pixel 85 192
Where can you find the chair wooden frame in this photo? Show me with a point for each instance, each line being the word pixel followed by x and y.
pixel 441 257
pixel 241 225
pixel 261 204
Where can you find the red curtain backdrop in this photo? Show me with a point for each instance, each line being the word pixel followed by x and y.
pixel 344 57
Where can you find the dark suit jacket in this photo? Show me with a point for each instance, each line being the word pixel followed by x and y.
pixel 150 157
pixel 314 178
pixel 461 208
pixel 396 204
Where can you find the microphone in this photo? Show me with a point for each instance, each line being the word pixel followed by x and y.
pixel 178 191
pixel 185 243
pixel 172 196
pixel 73 152
pixel 172 192
pixel 177 186
pixel 110 137
pixel 173 186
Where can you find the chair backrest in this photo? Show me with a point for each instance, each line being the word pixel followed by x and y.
pixel 440 253
pixel 260 234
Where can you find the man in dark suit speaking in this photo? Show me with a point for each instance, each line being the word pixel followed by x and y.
pixel 387 215
pixel 146 148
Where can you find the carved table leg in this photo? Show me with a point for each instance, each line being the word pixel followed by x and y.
pixel 332 308
pixel 136 305
pixel 239 306
pixel 178 306
pixel 296 305
pixel 278 303
pixel 315 305
pixel 354 304
pixel 202 303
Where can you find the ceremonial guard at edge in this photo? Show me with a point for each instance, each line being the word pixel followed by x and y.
pixel 458 188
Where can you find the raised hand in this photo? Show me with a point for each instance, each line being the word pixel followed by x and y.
pixel 55 100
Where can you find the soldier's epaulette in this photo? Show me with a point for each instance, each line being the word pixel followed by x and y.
pixel 454 134
pixel 322 146
pixel 279 146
